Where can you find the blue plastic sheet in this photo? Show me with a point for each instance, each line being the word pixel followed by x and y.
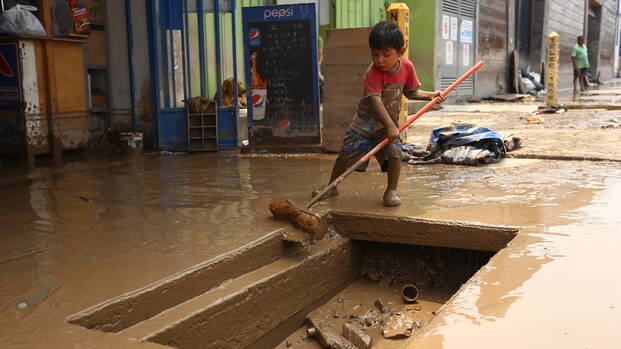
pixel 465 144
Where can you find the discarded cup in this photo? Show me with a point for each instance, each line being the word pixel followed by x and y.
pixel 409 293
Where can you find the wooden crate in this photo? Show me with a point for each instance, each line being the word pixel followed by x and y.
pixel 347 58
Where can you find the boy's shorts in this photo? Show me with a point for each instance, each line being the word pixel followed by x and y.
pixel 356 145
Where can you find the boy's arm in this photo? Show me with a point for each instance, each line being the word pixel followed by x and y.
pixel 411 88
pixel 425 95
pixel 384 118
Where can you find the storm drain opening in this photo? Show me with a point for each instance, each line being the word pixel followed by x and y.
pixel 370 281
pixel 399 290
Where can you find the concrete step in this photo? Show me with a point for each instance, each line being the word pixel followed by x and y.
pixel 133 307
pixel 254 305
pixel 422 232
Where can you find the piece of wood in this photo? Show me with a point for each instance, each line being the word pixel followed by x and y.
pixel 70 95
pixel 347 61
pixel 50 72
pixel 327 335
pixel 340 37
pixel 352 91
pixel 42 84
pixel 349 55
pixel 355 334
pixel 424 232
pixel 97 48
pixel 347 74
pixel 46 16
pixel 343 105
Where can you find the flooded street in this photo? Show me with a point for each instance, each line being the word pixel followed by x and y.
pixel 157 196
pixel 74 236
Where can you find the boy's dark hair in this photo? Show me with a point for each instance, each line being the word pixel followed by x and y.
pixel 386 35
pixel 580 38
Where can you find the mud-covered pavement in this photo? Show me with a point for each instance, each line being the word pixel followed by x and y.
pixel 575 134
pixel 74 236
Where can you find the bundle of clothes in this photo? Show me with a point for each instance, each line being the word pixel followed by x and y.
pixel 463 144
pixel 531 83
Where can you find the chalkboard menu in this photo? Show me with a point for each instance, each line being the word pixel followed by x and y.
pixel 281 72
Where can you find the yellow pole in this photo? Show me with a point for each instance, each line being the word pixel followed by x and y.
pixel 552 68
pixel 399 14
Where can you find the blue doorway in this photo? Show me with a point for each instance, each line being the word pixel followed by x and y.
pixel 184 39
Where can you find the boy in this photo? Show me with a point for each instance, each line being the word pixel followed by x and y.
pixel 387 79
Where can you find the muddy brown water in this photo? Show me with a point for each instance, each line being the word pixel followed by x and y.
pixel 75 236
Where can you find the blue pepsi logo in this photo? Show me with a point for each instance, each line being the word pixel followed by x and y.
pixel 254 37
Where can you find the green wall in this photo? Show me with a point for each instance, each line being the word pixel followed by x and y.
pixel 365 13
pixel 358 13
pixel 226 36
pixel 422 39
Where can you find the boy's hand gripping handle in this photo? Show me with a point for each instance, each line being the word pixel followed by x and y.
pixel 383 143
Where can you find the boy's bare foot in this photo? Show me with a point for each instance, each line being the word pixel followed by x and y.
pixel 391 198
pixel 331 193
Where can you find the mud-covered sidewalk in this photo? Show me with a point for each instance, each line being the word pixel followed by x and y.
pixel 591 133
pixel 74 236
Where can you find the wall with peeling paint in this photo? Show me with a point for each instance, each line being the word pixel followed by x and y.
pixel 607 37
pixel 492 48
pixel 118 68
pixel 569 19
pixel 36 124
pixel 144 101
pixel 119 79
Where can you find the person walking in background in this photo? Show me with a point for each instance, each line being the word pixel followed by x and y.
pixel 580 61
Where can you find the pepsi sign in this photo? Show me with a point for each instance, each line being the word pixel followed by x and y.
pixel 9 75
pixel 258 100
pixel 254 37
pixel 280 51
pixel 278 13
